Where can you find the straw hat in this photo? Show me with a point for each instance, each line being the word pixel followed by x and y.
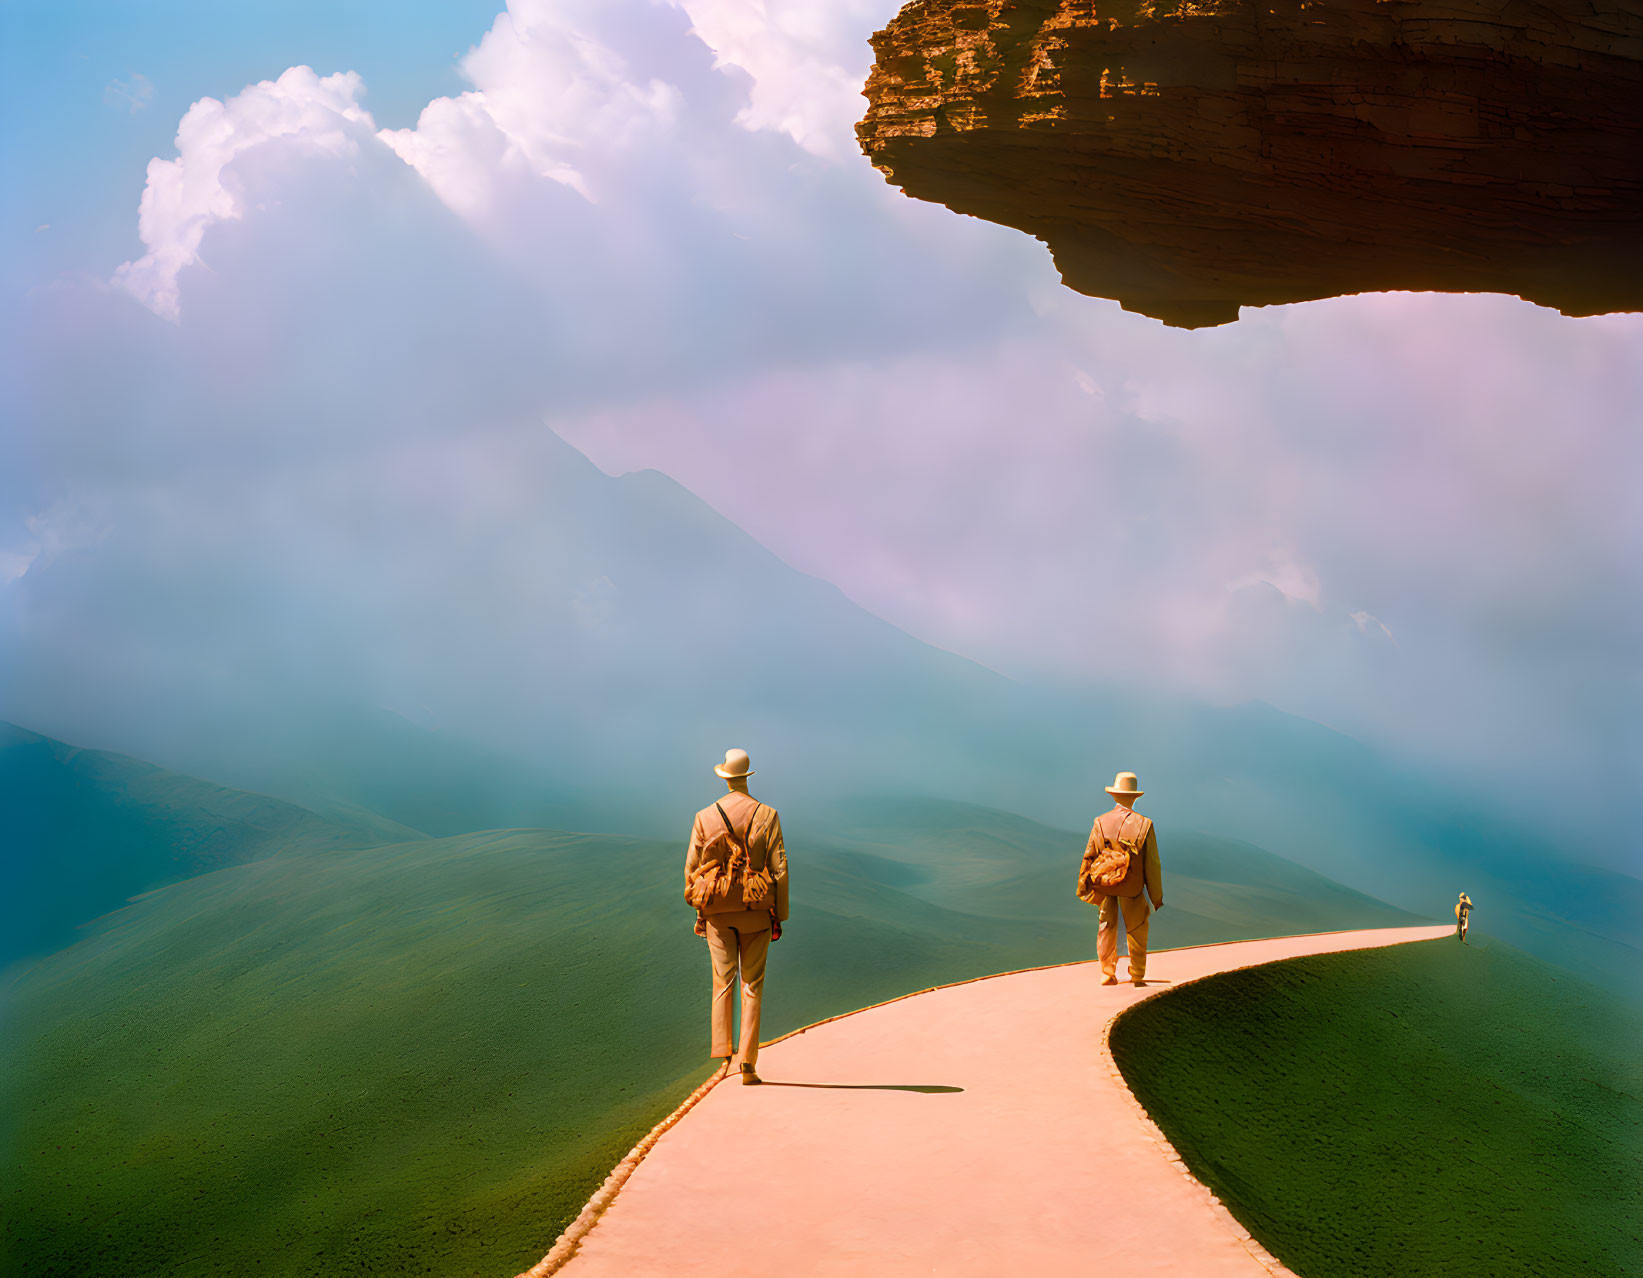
pixel 736 764
pixel 1124 785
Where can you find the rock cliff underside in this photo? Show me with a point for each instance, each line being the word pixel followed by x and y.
pixel 1191 158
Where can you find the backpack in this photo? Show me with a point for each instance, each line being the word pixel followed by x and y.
pixel 1113 865
pixel 724 865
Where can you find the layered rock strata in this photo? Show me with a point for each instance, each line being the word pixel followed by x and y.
pixel 1189 157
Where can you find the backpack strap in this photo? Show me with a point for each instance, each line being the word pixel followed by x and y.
pixel 1098 837
pixel 745 840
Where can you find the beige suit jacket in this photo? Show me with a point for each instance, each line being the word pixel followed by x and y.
pixel 1152 874
pixel 764 845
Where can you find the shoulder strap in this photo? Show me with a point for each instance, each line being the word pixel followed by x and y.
pixel 746 840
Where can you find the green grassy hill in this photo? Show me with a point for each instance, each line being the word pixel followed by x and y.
pixel 82 830
pixel 422 1058
pixel 1428 1109
pixel 1015 871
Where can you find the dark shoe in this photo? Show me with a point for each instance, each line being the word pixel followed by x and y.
pixel 749 1076
pixel 1138 981
pixel 1109 980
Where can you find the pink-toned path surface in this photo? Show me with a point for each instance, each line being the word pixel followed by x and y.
pixel 1042 1164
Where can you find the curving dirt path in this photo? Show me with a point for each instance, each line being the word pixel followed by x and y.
pixel 968 1130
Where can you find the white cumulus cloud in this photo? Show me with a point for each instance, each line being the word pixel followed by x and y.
pixel 549 97
pixel 807 62
pixel 184 197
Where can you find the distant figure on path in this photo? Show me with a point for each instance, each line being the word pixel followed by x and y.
pixel 736 878
pixel 1463 912
pixel 1120 860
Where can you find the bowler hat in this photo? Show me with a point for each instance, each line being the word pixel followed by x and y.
pixel 736 764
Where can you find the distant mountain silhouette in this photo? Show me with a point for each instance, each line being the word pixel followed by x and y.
pixel 654 633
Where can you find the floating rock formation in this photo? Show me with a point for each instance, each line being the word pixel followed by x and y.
pixel 1189 157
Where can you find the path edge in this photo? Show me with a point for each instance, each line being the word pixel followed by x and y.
pixel 565 1246
pixel 1155 1134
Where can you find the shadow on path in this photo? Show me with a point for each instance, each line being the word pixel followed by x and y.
pixel 871 1087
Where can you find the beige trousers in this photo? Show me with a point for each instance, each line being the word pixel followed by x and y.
pixel 1136 916
pixel 730 948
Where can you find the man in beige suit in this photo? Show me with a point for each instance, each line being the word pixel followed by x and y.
pixel 1144 879
pixel 738 937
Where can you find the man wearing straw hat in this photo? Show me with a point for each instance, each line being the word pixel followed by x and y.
pixel 739 932
pixel 1119 871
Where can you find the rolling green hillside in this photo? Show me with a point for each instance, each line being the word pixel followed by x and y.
pixel 421 1058
pixel 1428 1109
pixel 975 859
pixel 82 830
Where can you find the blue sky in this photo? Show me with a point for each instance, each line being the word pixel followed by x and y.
pixel 92 92
pixel 381 238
